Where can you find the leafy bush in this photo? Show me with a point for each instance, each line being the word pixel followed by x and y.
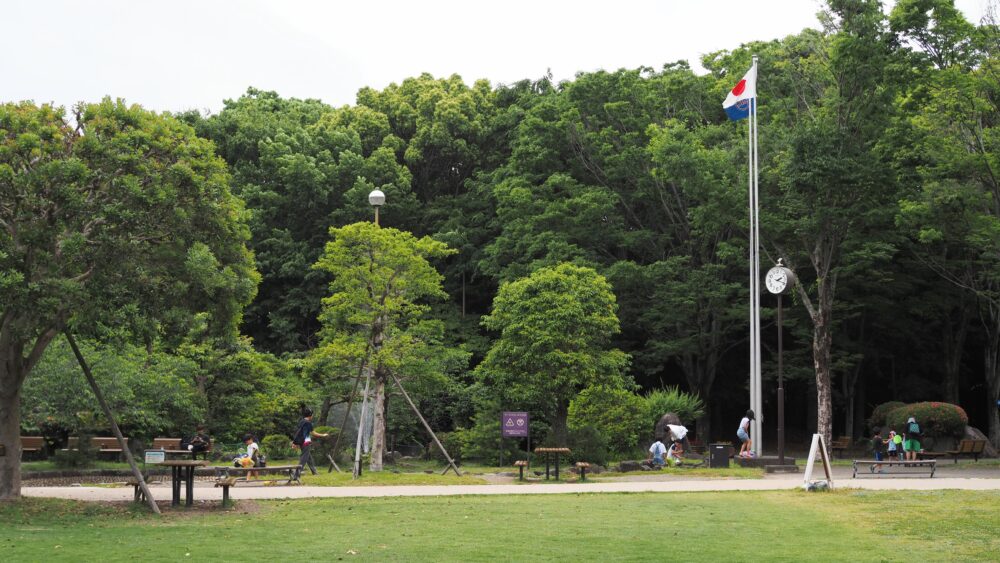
pixel 617 414
pixel 588 444
pixel 85 454
pixel 687 406
pixel 880 413
pixel 935 419
pixel 482 442
pixel 321 447
pixel 452 441
pixel 277 446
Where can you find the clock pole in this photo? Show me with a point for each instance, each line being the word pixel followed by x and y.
pixel 781 390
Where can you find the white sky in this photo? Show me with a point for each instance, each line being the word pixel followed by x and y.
pixel 186 54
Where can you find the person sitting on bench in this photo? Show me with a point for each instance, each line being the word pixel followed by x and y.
pixel 200 442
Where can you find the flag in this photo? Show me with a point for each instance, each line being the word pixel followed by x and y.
pixel 739 101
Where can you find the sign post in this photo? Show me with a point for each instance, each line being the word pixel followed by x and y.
pixel 514 424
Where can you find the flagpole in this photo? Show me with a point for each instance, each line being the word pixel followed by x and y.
pixel 759 409
pixel 753 277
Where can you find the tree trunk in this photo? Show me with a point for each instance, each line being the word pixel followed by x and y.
pixel 10 436
pixel 378 427
pixel 324 411
pixel 954 344
pixel 560 431
pixel 992 375
pixel 822 343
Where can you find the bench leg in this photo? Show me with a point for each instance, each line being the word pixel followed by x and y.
pixel 225 496
pixel 583 473
pixel 521 470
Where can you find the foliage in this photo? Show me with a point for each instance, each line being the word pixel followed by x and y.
pixel 881 412
pixel 687 406
pixel 618 415
pixel 84 454
pixel 935 419
pixel 277 446
pixel 452 441
pixel 588 443
pixel 321 447
pixel 150 394
pixel 555 328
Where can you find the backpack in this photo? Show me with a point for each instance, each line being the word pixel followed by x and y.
pixel 298 439
pixel 913 430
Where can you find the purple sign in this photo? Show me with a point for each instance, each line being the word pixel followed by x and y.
pixel 514 425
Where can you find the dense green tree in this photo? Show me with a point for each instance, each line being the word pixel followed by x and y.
pixel 376 315
pixel 554 327
pixel 117 218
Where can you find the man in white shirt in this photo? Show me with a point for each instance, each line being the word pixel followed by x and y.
pixel 677 433
pixel 656 453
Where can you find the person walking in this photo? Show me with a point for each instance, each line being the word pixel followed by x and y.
pixel 302 439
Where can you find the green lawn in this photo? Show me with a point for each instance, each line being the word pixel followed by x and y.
pixel 773 526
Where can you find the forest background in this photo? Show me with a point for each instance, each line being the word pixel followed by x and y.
pixel 878 176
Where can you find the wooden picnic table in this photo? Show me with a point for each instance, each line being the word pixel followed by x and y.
pixel 182 470
pixel 552 452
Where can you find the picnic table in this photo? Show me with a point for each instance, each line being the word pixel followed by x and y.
pixel 549 453
pixel 182 470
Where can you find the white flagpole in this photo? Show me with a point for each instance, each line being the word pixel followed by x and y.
pixel 753 276
pixel 759 404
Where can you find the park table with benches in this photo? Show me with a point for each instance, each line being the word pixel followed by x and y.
pixel 921 465
pixel 226 476
pixel 182 470
pixel 549 454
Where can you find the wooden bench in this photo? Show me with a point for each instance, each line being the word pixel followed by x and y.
pixel 225 483
pixel 103 445
pixel 974 448
pixel 166 444
pixel 920 464
pixel 32 444
pixel 287 473
pixel 930 455
pixel 840 445
pixel 520 465
pixel 583 466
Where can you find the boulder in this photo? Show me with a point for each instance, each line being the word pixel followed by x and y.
pixel 974 434
pixel 661 425
pixel 627 466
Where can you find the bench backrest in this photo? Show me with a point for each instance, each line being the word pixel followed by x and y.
pixel 841 442
pixel 32 442
pixel 166 443
pixel 107 443
pixel 972 446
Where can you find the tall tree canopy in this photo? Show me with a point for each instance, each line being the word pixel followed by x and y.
pixel 122 221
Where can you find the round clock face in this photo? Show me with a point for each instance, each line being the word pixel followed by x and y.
pixel 776 280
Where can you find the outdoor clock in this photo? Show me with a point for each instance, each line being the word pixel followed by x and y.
pixel 779 279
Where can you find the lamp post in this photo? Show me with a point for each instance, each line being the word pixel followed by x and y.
pixel 779 279
pixel 376 199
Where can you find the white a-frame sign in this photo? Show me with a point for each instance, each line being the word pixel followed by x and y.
pixel 818 445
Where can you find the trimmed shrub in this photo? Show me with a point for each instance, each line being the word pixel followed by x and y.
pixel 588 444
pixel 878 418
pixel 321 447
pixel 935 419
pixel 687 406
pixel 277 446
pixel 617 414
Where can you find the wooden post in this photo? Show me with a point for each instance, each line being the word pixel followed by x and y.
pixel 451 462
pixel 114 425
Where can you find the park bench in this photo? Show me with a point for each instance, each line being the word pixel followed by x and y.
pixel 287 473
pixel 103 445
pixel 930 455
pixel 841 445
pixel 225 483
pixel 974 448
pixel 32 444
pixel 919 464
pixel 520 465
pixel 582 467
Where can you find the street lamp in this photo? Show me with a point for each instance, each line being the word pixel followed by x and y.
pixel 780 279
pixel 376 199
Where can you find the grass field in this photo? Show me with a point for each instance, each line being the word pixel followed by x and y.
pixel 773 526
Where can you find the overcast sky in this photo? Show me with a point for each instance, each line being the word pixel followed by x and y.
pixel 182 54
